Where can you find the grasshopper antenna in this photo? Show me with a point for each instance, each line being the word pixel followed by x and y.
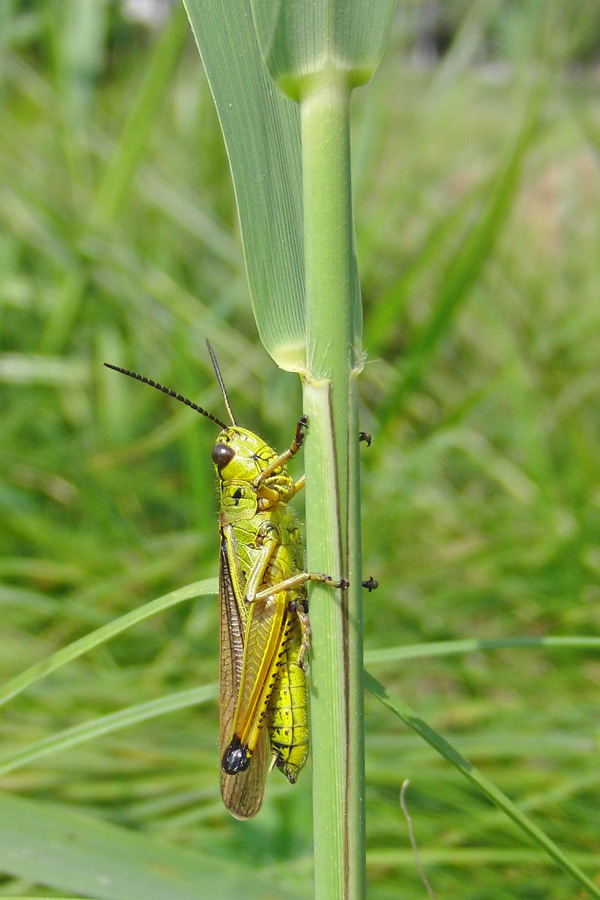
pixel 166 390
pixel 220 380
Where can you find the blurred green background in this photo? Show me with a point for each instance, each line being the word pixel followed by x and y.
pixel 476 167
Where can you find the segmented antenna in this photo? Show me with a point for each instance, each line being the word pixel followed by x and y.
pixel 220 380
pixel 166 390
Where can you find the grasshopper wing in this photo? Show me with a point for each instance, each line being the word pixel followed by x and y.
pixel 242 793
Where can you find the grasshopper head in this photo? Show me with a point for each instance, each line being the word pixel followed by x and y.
pixel 240 455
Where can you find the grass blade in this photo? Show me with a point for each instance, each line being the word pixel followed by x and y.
pixel 481 782
pixel 100 635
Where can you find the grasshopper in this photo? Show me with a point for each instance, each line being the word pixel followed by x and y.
pixel 264 626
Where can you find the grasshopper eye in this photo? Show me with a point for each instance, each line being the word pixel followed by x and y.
pixel 222 454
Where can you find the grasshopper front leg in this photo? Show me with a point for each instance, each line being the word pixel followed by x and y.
pixel 287 454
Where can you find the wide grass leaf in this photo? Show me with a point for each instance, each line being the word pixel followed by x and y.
pixel 262 136
pixel 69 851
pixel 299 39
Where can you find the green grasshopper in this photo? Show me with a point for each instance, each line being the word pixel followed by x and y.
pixel 264 626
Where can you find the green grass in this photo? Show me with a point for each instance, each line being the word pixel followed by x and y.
pixel 481 490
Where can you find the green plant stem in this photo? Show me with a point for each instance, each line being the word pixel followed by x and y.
pixel 332 511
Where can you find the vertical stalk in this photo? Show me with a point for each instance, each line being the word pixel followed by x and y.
pixel 332 511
